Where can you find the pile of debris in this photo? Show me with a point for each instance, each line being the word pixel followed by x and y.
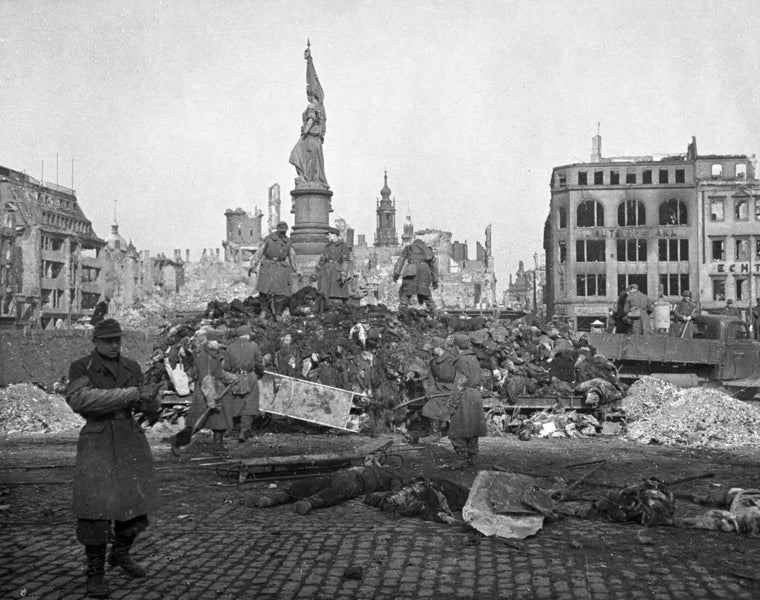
pixel 27 409
pixel 661 413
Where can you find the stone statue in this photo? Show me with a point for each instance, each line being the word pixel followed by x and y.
pixel 307 156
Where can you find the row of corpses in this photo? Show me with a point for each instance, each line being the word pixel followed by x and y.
pixel 513 505
pixel 384 355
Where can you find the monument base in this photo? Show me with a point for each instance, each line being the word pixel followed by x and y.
pixel 312 208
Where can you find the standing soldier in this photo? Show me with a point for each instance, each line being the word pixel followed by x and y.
pixel 331 275
pixel 417 267
pixel 277 261
pixel 637 308
pixel 683 313
pixel 756 319
pixel 115 479
pixel 438 388
pixel 468 421
pixel 243 363
pixel 730 310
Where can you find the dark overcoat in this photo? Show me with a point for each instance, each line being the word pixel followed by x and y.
pixel 243 359
pixel 208 362
pixel 115 478
pixel 644 306
pixel 332 268
pixel 468 419
pixel 441 381
pixel 276 263
pixel 418 258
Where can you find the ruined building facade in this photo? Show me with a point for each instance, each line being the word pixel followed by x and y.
pixel 52 264
pixel 667 223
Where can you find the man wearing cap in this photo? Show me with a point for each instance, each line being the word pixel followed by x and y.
pixel 438 388
pixel 276 261
pixel 755 314
pixel 683 312
pixel 418 269
pixel 730 309
pixel 468 421
pixel 115 484
pixel 331 274
pixel 243 364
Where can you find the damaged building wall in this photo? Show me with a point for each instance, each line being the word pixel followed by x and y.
pixel 243 233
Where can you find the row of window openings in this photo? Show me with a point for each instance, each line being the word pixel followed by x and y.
pixel 633 250
pixel 663 175
pixel 54 299
pixel 631 213
pixel 65 222
pixel 595 284
pixel 741 250
pixel 741 209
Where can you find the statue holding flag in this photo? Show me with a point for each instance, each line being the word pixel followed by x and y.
pixel 307 156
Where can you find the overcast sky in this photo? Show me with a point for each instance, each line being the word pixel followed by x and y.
pixel 180 110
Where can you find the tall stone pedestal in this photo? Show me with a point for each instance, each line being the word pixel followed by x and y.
pixel 312 208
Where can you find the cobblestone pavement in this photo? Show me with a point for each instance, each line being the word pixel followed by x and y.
pixel 206 542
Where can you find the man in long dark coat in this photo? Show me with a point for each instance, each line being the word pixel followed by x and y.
pixel 243 362
pixel 276 261
pixel 331 274
pixel 115 479
pixel 468 421
pixel 418 269
pixel 637 308
pixel 438 388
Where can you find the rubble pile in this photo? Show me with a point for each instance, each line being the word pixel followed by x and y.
pixel 699 417
pixel 383 355
pixel 27 409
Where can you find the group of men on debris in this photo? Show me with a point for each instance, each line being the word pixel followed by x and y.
pixel 631 313
pixel 275 262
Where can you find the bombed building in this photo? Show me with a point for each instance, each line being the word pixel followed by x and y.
pixel 667 223
pixel 54 268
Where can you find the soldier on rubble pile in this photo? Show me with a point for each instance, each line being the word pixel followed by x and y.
pixel 276 260
pixel 438 387
pixel 418 269
pixel 244 363
pixel 115 484
pixel 468 421
pixel 331 274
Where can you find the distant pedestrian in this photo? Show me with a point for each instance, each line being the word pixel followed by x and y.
pixel 244 363
pixel 418 270
pixel 438 387
pixel 115 484
pixel 99 312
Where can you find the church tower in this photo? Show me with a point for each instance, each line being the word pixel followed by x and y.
pixel 385 235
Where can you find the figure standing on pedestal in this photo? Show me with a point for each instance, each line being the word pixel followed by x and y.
pixel 418 269
pixel 307 156
pixel 277 261
pixel 331 275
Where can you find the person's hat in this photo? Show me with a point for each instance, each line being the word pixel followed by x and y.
pixel 282 226
pixel 243 330
pixel 633 286
pixel 462 341
pixel 107 328
pixel 333 230
pixel 686 294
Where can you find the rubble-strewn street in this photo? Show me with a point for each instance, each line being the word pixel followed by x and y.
pixel 208 541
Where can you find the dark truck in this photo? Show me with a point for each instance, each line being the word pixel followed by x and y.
pixel 716 351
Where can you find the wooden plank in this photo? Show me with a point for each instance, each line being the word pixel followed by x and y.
pixel 656 348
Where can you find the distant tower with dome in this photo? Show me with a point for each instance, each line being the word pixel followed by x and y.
pixel 385 235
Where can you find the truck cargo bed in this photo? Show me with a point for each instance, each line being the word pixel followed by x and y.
pixel 657 348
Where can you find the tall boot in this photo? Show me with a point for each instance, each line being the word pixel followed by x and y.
pixel 96 562
pixel 218 441
pixel 120 556
pixel 246 423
